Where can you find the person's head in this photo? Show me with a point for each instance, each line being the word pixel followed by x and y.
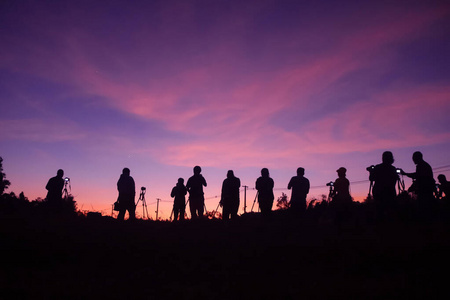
pixel 265 172
pixel 180 181
pixel 126 171
pixel 388 157
pixel 230 174
pixel 300 171
pixel 417 157
pixel 441 178
pixel 341 171
pixel 60 173
pixel 197 170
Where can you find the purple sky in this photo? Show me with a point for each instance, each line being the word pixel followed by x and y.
pixel 162 86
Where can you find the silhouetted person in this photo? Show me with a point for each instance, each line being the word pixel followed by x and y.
pixel 424 183
pixel 300 188
pixel 127 193
pixel 55 187
pixel 342 199
pixel 444 187
pixel 342 188
pixel 385 177
pixel 264 186
pixel 195 186
pixel 179 192
pixel 230 196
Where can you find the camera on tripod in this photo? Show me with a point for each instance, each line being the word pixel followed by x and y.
pixel 331 183
pixel 143 188
pixel 67 179
pixel 370 169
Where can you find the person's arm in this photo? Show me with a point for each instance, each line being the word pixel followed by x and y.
pixel 410 175
pixel 307 190
pixel 289 184
pixel 48 186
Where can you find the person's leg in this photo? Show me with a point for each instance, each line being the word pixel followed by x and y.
pixel 131 212
pixel 193 208
pixel 121 214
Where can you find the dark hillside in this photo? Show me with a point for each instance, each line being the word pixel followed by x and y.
pixel 250 258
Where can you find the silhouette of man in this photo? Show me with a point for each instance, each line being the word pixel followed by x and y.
pixel 179 192
pixel 127 193
pixel 444 187
pixel 342 188
pixel 54 187
pixel 300 188
pixel 195 186
pixel 264 186
pixel 385 177
pixel 424 182
pixel 230 196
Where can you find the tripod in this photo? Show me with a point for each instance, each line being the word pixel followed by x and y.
pixel 144 204
pixel 65 194
pixel 369 195
pixel 331 193
pixel 254 201
pixel 401 184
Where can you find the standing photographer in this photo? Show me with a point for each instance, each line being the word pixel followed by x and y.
pixel 264 186
pixel 300 189
pixel 127 193
pixel 384 176
pixel 230 196
pixel 424 184
pixel 55 187
pixel 195 186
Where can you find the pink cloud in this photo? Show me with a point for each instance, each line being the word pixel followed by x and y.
pixel 40 130
pixel 394 119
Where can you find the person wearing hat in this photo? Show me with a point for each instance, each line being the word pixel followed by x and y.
pixel 342 188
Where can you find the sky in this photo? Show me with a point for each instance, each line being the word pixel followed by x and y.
pixel 92 87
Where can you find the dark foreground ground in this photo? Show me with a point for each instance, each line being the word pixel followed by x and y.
pixel 100 258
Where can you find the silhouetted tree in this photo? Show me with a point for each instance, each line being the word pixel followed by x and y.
pixel 4 184
pixel 282 202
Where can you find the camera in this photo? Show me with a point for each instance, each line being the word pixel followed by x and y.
pixel 399 171
pixel 370 168
pixel 143 188
pixel 331 183
pixel 67 179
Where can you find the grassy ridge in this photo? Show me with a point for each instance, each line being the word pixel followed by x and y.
pixel 249 258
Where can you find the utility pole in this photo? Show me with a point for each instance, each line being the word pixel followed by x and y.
pixel 245 198
pixel 157 207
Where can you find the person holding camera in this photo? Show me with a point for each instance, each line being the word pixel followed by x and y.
pixel 230 196
pixel 264 186
pixel 300 188
pixel 179 192
pixel 55 187
pixel 424 183
pixel 127 193
pixel 195 186
pixel 341 194
pixel 384 177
